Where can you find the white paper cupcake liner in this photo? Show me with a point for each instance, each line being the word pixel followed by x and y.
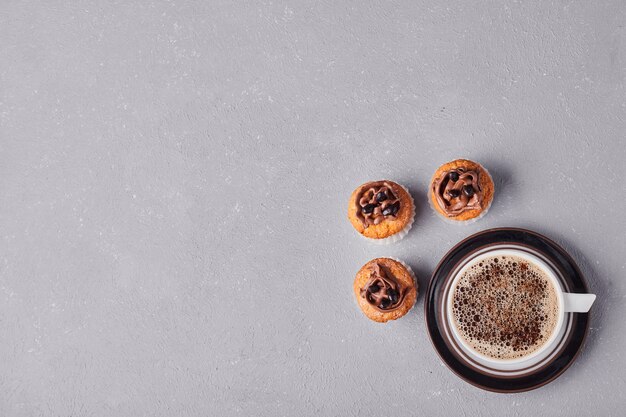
pixel 461 222
pixel 396 237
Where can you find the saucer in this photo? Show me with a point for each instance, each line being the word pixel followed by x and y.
pixel 519 379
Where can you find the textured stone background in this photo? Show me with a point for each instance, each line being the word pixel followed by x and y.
pixel 173 187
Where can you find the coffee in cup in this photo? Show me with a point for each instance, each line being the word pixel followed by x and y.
pixel 505 307
pixel 508 309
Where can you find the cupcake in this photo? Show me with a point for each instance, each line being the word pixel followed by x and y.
pixel 461 191
pixel 385 289
pixel 381 211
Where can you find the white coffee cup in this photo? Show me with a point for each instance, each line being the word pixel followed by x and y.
pixel 567 303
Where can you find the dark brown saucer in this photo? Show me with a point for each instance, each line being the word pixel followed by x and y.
pixel 571 279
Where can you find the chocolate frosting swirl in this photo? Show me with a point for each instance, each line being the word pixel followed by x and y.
pixel 375 202
pixel 458 190
pixel 382 290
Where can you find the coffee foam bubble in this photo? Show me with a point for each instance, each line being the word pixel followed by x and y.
pixel 505 307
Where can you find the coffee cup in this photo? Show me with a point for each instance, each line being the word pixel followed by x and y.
pixel 562 304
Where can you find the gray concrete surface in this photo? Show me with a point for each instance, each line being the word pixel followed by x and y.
pixel 173 187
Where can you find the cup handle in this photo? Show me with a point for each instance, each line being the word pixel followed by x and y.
pixel 578 303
